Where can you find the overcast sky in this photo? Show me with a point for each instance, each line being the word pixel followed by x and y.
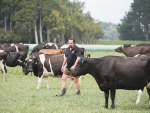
pixel 107 10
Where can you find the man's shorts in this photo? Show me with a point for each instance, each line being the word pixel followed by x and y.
pixel 68 72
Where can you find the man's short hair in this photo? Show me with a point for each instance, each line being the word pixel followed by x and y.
pixel 72 39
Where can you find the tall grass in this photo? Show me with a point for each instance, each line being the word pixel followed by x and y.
pixel 19 95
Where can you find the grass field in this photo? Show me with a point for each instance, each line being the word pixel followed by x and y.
pixel 19 95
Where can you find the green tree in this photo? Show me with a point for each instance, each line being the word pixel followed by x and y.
pixel 135 25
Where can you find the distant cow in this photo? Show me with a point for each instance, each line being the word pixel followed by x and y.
pixel 143 44
pixel 4 45
pixel 115 72
pixel 17 58
pixel 12 48
pixel 22 47
pixel 51 51
pixel 50 46
pixel 3 56
pixel 127 45
pixel 132 51
pixel 44 46
pixel 148 81
pixel 81 49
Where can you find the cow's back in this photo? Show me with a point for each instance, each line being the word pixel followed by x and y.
pixel 126 71
pixel 51 51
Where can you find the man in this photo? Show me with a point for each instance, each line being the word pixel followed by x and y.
pixel 72 56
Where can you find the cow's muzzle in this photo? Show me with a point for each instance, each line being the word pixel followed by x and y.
pixel 30 70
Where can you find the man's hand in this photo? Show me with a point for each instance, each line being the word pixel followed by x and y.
pixel 62 68
pixel 72 68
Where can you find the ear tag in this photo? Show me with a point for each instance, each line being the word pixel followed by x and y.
pixel 81 61
pixel 24 63
pixel 36 62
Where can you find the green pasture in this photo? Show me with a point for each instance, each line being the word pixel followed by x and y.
pixel 19 95
pixel 119 42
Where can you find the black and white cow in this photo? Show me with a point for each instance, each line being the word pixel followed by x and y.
pixel 3 56
pixel 45 65
pixel 22 47
pixel 51 46
pixel 12 48
pixel 115 72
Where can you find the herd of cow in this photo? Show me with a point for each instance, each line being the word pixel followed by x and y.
pixel 45 59
pixel 110 72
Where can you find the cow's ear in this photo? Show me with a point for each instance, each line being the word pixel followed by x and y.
pixel 81 61
pixel 24 63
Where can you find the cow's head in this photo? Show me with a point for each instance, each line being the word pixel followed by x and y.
pixel 31 63
pixel 88 56
pixel 24 67
pixel 119 49
pixel 81 67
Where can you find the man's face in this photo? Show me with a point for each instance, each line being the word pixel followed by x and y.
pixel 71 44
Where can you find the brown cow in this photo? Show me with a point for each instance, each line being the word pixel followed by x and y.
pixel 132 51
pixel 51 51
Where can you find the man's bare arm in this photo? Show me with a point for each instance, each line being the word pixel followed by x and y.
pixel 72 68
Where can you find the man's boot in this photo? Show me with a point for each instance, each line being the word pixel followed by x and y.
pixel 78 92
pixel 63 91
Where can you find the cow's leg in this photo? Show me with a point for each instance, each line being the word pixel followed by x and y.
pixel 39 82
pixel 5 74
pixel 80 79
pixel 72 82
pixel 4 70
pixel 139 95
pixel 46 80
pixel 106 98
pixel 148 91
pixel 112 93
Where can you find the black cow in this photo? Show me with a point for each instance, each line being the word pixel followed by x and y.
pixel 115 72
pixel 38 48
pixel 4 45
pixel 127 45
pixel 132 51
pixel 3 56
pixel 17 58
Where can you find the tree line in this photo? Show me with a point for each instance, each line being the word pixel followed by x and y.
pixel 136 23
pixel 37 21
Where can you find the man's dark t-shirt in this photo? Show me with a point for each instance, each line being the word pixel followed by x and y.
pixel 72 56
